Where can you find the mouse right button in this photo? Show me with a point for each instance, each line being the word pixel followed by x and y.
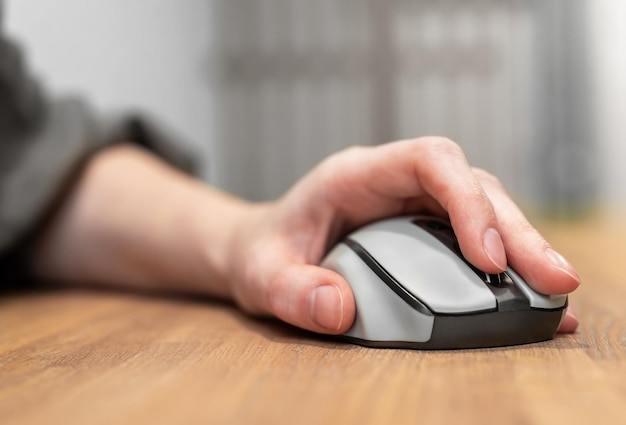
pixel 537 300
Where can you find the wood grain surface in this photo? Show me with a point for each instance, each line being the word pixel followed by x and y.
pixel 93 357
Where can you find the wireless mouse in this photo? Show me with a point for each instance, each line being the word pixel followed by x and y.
pixel 414 289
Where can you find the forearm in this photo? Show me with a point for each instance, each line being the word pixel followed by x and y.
pixel 131 220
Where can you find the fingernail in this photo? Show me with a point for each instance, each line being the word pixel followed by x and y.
pixel 494 248
pixel 325 305
pixel 562 264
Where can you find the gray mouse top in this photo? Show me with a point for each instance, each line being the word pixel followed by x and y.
pixel 414 289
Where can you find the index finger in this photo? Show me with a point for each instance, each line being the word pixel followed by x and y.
pixel 528 252
pixel 439 168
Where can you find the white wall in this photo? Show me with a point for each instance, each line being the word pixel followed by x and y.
pixel 608 23
pixel 149 54
pixel 153 54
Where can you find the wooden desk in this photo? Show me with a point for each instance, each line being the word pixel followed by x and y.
pixel 89 357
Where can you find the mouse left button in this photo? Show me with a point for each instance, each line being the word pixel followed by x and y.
pixel 381 315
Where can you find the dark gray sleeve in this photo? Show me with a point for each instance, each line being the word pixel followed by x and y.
pixel 44 142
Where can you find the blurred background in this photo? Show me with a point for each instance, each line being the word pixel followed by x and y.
pixel 533 90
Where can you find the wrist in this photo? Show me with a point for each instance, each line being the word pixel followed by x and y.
pixel 218 231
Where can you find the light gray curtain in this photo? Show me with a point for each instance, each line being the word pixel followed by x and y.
pixel 507 79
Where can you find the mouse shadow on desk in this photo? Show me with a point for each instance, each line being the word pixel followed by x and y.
pixel 559 343
pixel 276 331
pixel 279 332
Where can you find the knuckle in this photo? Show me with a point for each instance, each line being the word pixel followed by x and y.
pixel 349 155
pixel 526 228
pixel 441 146
pixel 486 178
pixel 342 156
pixel 483 174
pixel 349 152
pixel 354 149
pixel 327 171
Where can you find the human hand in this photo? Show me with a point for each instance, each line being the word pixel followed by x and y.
pixel 278 248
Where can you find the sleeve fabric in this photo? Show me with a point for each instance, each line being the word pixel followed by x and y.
pixel 43 144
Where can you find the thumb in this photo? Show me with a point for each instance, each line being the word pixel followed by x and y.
pixel 312 298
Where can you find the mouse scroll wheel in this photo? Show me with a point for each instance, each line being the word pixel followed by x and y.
pixel 494 279
pixel 501 279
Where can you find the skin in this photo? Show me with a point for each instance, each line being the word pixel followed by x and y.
pixel 130 220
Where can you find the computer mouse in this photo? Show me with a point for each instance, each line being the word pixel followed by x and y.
pixel 414 289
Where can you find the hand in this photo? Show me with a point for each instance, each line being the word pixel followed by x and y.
pixel 278 245
pixel 131 220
